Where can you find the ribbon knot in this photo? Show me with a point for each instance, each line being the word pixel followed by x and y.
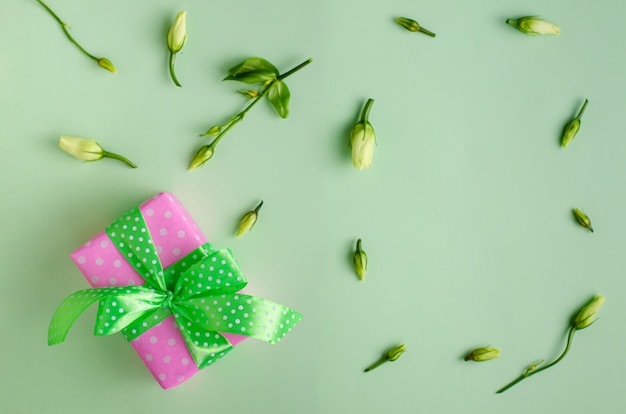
pixel 200 290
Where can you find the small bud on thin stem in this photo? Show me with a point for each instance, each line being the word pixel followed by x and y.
pixel 102 62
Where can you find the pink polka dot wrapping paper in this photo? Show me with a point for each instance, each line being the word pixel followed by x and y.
pixel 174 234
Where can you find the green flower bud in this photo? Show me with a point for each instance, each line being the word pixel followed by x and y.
pixel 413 26
pixel 483 354
pixel 177 35
pixel 572 127
pixel 248 220
pixel 392 355
pixel 362 140
pixel 533 26
pixel 360 261
pixel 582 219
pixel 395 353
pixel 106 64
pixel 586 316
pixel 203 155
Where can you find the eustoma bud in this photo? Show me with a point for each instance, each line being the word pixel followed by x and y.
pixel 483 354
pixel 248 220
pixel 177 35
pixel 88 150
pixel 572 127
pixel 587 315
pixel 363 139
pixel 413 26
pixel 582 219
pixel 176 38
pixel 360 261
pixel 392 355
pixel 532 25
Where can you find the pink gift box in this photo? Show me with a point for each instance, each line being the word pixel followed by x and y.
pixel 174 234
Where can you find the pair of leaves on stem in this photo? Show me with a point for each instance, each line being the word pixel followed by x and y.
pixel 257 70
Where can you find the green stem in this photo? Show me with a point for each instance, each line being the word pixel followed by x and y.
pixel 256 210
pixel 427 32
pixel 172 71
pixel 580 113
pixel 375 365
pixel 527 374
pixel 512 22
pixel 64 26
pixel 294 70
pixel 107 154
pixel 366 111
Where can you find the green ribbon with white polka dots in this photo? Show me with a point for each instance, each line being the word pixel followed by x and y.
pixel 200 290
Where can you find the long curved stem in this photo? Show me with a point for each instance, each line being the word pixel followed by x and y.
pixel 531 372
pixel 64 27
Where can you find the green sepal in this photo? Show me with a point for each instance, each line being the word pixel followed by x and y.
pixel 279 97
pixel 253 70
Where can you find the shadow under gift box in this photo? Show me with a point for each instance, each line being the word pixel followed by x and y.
pixel 174 235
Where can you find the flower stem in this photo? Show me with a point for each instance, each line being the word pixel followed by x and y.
pixel 172 71
pixel 107 154
pixel 366 110
pixel 375 365
pixel 65 27
pixel 529 373
pixel 580 113
pixel 294 70
pixel 427 32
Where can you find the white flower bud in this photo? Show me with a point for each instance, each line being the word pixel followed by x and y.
pixel 82 148
pixel 177 36
pixel 362 140
pixel 533 26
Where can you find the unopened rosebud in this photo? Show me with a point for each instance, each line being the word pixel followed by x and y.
pixel 106 64
pixel 392 355
pixel 483 354
pixel 582 219
pixel 533 26
pixel 572 127
pixel 586 316
pixel 248 93
pixel 248 220
pixel 363 139
pixel 413 26
pixel 88 150
pixel 360 260
pixel 177 35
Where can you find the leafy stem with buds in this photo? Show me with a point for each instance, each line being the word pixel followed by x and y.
pixel 251 71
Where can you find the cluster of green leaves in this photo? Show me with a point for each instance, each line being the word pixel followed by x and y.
pixel 255 71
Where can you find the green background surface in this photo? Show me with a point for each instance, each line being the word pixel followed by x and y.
pixel 465 213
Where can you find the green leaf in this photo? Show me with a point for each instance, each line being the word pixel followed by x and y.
pixel 253 70
pixel 279 96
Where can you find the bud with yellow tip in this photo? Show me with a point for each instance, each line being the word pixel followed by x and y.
pixel 249 220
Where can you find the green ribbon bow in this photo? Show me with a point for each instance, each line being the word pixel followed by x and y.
pixel 200 290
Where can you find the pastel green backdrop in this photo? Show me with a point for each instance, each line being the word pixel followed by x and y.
pixel 465 213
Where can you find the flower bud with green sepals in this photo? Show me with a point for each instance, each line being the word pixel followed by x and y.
pixel 587 314
pixel 363 139
pixel 533 26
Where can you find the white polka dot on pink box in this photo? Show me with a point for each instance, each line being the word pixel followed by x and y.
pixel 175 235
